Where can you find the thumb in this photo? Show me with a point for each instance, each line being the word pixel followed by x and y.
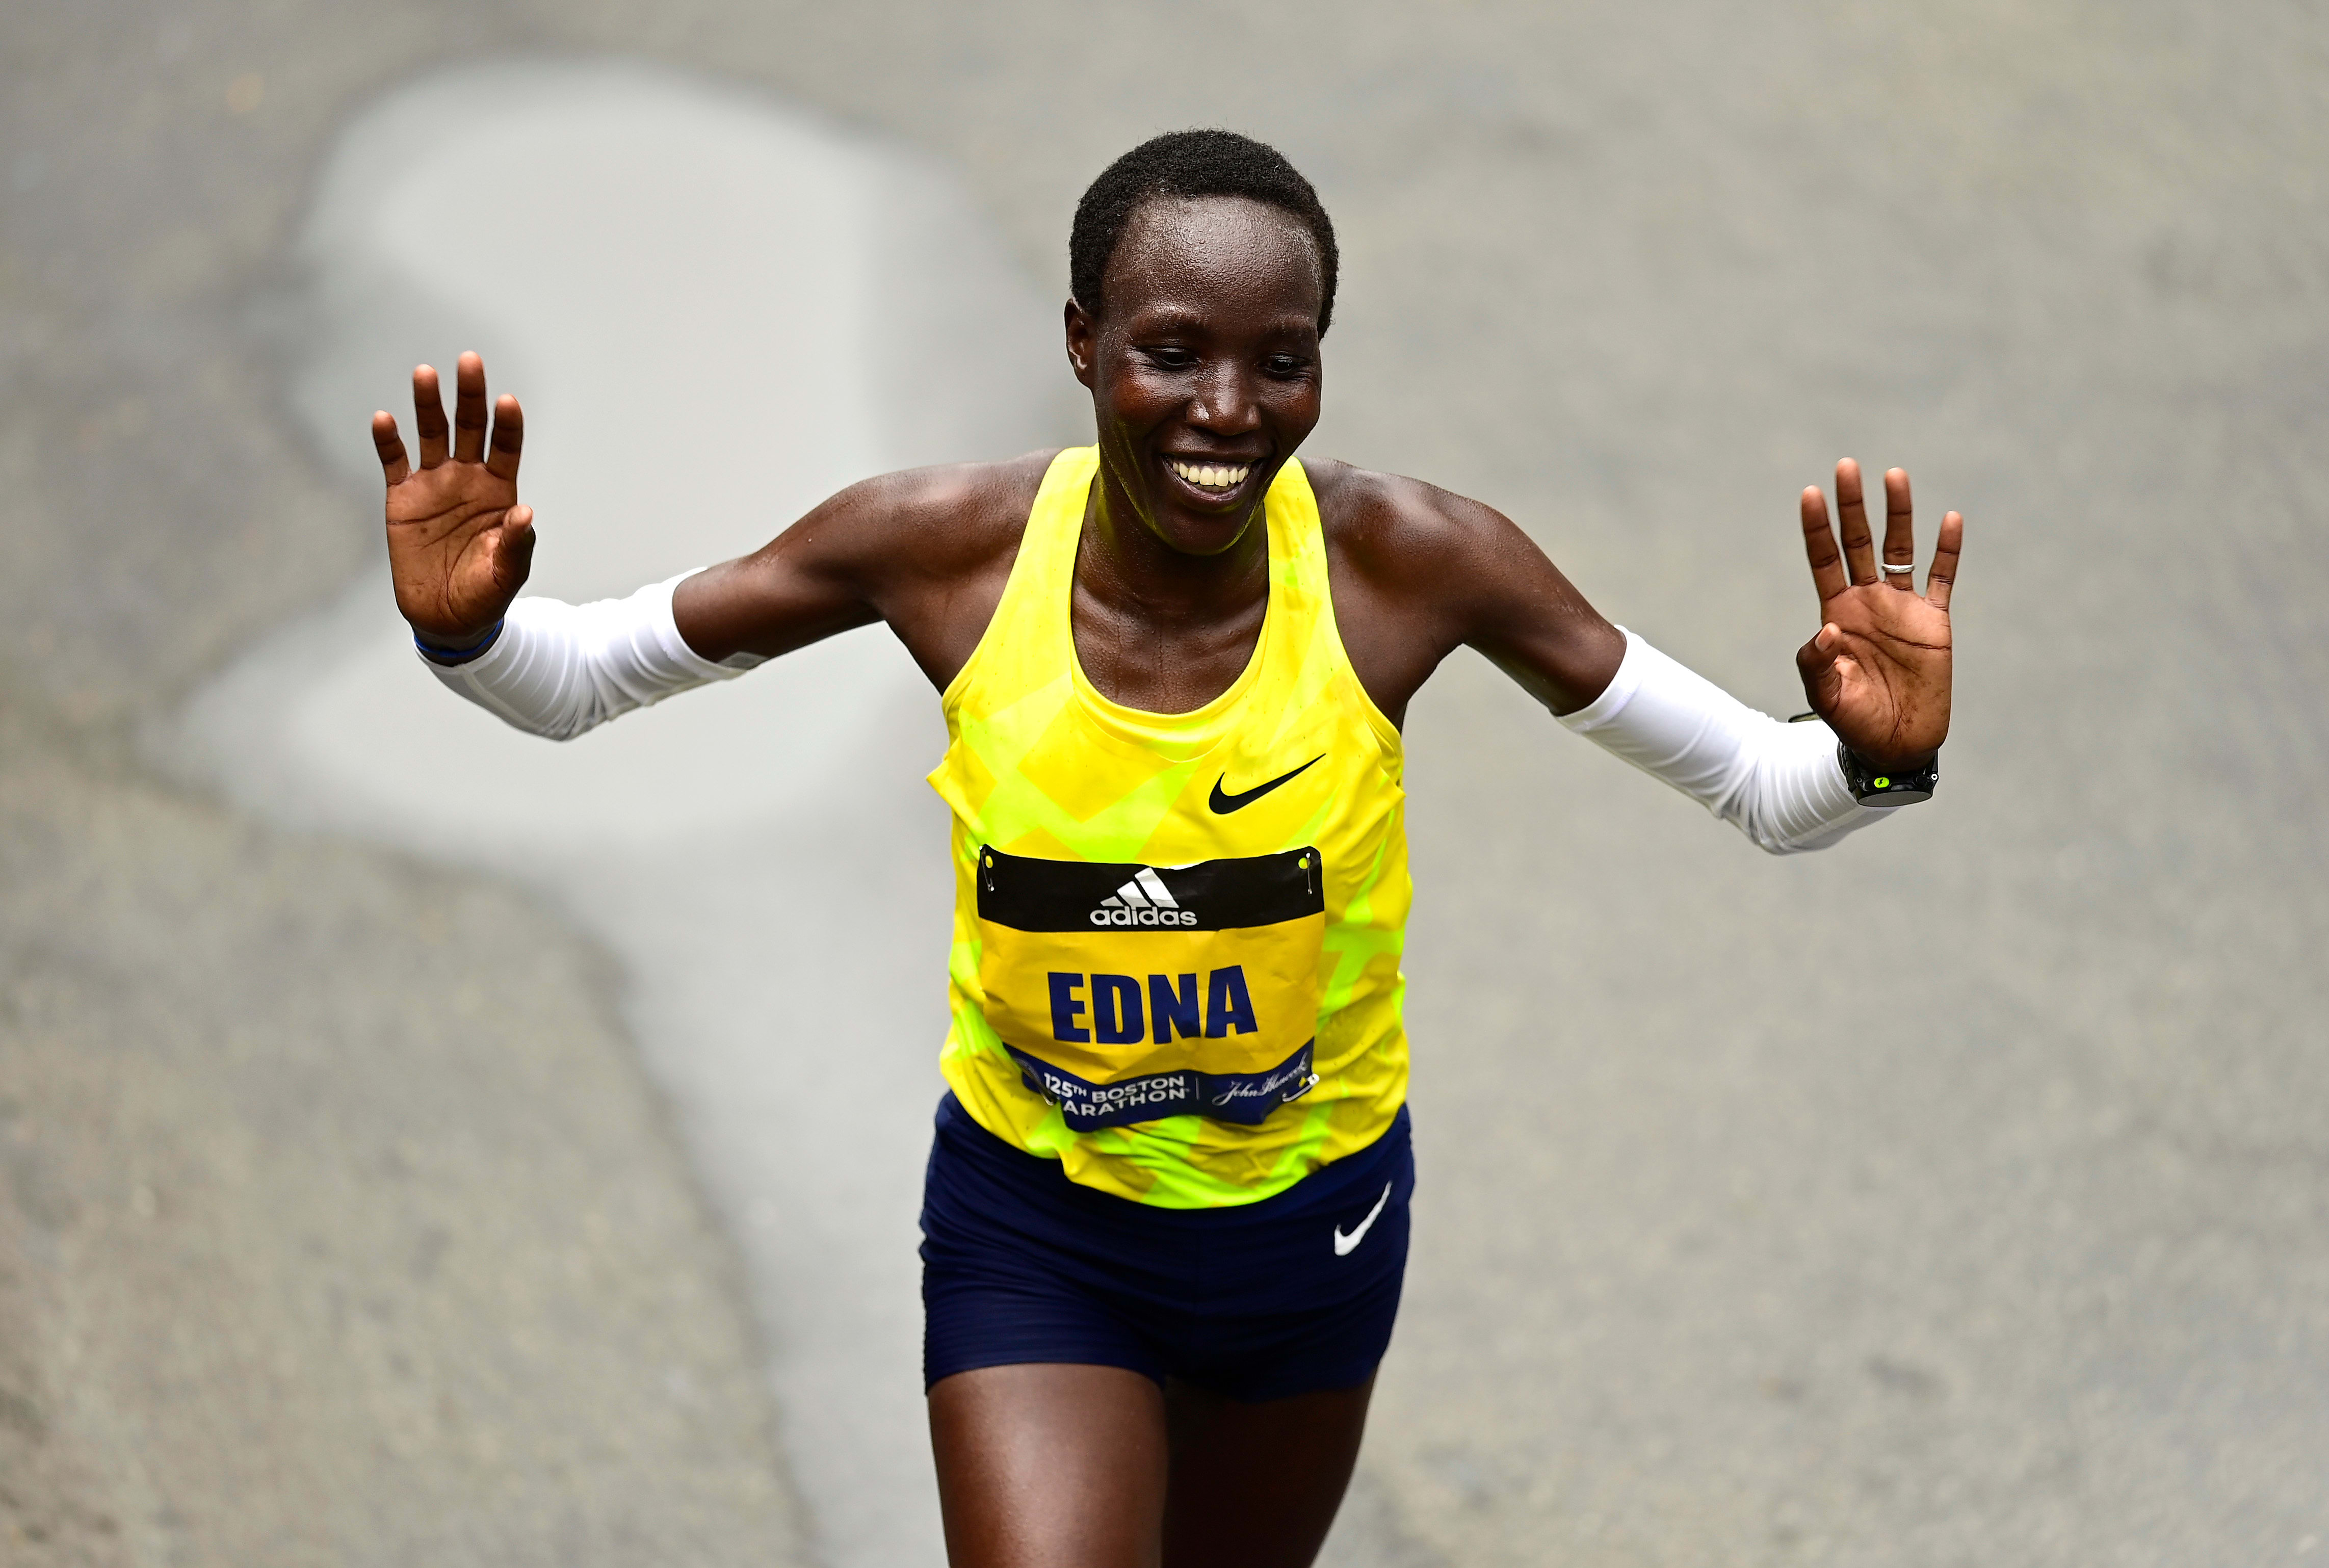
pixel 514 549
pixel 1821 663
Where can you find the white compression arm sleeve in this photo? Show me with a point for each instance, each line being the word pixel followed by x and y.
pixel 558 669
pixel 1779 784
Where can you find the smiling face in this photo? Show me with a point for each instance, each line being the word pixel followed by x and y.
pixel 1202 365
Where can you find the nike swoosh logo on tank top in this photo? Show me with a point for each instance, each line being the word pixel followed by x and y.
pixel 1223 804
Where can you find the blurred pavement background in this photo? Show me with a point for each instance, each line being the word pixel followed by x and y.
pixel 1961 1196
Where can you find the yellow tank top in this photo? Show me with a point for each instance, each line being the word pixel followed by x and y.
pixel 1176 936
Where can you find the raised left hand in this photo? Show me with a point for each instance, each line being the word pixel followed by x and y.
pixel 1879 669
pixel 459 545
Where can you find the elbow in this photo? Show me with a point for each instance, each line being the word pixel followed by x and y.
pixel 561 728
pixel 1754 825
pixel 1769 837
pixel 1802 838
pixel 1772 844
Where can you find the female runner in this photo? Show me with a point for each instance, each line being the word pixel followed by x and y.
pixel 1166 1217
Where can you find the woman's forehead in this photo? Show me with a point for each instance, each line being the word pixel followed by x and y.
pixel 1215 247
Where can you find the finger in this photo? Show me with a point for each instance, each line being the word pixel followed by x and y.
pixel 1943 577
pixel 509 437
pixel 1851 519
pixel 1900 533
pixel 1819 544
pixel 468 408
pixel 393 464
pixel 514 549
pixel 428 415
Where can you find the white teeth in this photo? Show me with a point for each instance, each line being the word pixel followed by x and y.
pixel 1211 476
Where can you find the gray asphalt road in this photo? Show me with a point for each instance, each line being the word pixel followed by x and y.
pixel 1956 1198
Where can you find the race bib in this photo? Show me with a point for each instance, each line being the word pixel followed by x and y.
pixel 1127 993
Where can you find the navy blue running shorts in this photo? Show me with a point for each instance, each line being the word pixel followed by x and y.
pixel 1294 1294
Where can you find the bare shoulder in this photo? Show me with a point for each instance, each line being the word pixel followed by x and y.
pixel 1409 536
pixel 1417 572
pixel 920 524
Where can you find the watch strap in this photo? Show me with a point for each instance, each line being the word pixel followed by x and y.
pixel 1872 786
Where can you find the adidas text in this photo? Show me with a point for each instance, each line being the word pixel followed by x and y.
pixel 1118 915
pixel 1144 901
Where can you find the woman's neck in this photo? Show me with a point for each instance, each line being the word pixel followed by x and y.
pixel 1133 573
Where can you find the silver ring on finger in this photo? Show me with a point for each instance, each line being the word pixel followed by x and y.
pixel 1890 567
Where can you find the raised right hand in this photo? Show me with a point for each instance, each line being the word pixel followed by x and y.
pixel 458 543
pixel 1880 669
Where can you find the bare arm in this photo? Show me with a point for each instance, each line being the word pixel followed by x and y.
pixel 927 551
pixel 1419 572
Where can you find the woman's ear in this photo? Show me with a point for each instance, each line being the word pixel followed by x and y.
pixel 1082 339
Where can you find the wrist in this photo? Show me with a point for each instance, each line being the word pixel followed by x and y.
pixel 1908 763
pixel 1896 762
pixel 1890 783
pixel 458 650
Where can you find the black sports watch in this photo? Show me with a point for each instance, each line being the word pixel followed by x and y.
pixel 1873 787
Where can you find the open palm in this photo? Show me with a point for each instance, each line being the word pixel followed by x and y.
pixel 1879 669
pixel 458 543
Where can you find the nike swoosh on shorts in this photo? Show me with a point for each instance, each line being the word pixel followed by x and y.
pixel 1344 1245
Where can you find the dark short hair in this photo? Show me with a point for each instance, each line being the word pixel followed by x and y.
pixel 1185 163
